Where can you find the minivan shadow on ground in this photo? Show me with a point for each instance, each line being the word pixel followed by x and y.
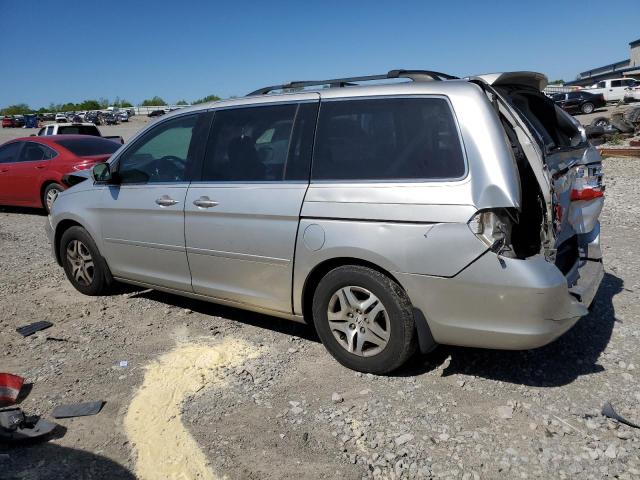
pixel 47 461
pixel 574 354
pixel 276 324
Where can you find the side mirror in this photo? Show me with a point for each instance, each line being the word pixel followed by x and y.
pixel 102 173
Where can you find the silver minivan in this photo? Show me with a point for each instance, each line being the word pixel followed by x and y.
pixel 395 212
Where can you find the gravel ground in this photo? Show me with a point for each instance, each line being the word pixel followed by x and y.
pixel 293 412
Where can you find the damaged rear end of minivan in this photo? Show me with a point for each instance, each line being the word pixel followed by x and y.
pixel 548 248
pixel 537 216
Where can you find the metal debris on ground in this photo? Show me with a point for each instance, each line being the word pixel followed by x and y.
pixel 32 328
pixel 16 426
pixel 78 409
pixel 609 412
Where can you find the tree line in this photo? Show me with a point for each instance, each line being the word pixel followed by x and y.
pixel 92 104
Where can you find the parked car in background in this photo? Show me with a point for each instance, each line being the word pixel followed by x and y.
pixel 19 121
pixel 580 101
pixel 76 129
pixel 613 89
pixel 7 122
pixel 61 117
pixel 632 93
pixel 394 216
pixel 110 118
pixel 93 117
pixel 32 168
pixel 123 116
pixel 156 113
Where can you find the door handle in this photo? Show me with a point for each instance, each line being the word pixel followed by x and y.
pixel 204 202
pixel 40 167
pixel 166 201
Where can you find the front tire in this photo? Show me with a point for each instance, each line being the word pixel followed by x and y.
pixel 85 268
pixel 364 319
pixel 50 194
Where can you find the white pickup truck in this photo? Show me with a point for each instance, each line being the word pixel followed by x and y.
pixel 614 89
pixel 76 129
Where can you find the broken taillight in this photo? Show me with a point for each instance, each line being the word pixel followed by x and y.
pixel 493 227
pixel 588 183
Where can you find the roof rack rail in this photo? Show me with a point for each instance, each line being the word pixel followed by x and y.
pixel 415 75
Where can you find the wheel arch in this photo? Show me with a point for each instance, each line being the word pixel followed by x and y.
pixel 425 337
pixel 324 267
pixel 44 186
pixel 62 227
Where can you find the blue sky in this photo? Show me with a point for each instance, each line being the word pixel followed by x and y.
pixel 71 50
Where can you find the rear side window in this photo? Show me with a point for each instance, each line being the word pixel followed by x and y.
pixel 33 152
pixel 386 139
pixel 616 83
pixel 84 147
pixel 249 144
pixel 79 130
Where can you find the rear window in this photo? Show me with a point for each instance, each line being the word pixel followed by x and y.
pixel 79 130
pixel 387 139
pixel 84 147
pixel 553 129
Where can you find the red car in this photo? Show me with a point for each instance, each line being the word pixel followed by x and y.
pixel 31 168
pixel 7 122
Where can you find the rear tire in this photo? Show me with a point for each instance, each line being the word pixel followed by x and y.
pixel 587 107
pixel 372 328
pixel 50 194
pixel 86 269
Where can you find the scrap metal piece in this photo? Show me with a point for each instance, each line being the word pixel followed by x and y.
pixel 609 412
pixel 16 426
pixel 78 409
pixel 10 386
pixel 32 328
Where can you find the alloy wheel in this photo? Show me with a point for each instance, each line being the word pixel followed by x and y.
pixel 358 321
pixel 81 262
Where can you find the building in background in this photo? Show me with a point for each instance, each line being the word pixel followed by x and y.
pixel 626 68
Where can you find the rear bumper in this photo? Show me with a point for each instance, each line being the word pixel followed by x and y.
pixel 503 303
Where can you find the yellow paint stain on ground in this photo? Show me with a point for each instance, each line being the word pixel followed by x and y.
pixel 164 447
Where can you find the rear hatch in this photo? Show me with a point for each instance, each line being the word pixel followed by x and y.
pixel 566 168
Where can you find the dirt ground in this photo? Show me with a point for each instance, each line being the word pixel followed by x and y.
pixel 262 398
